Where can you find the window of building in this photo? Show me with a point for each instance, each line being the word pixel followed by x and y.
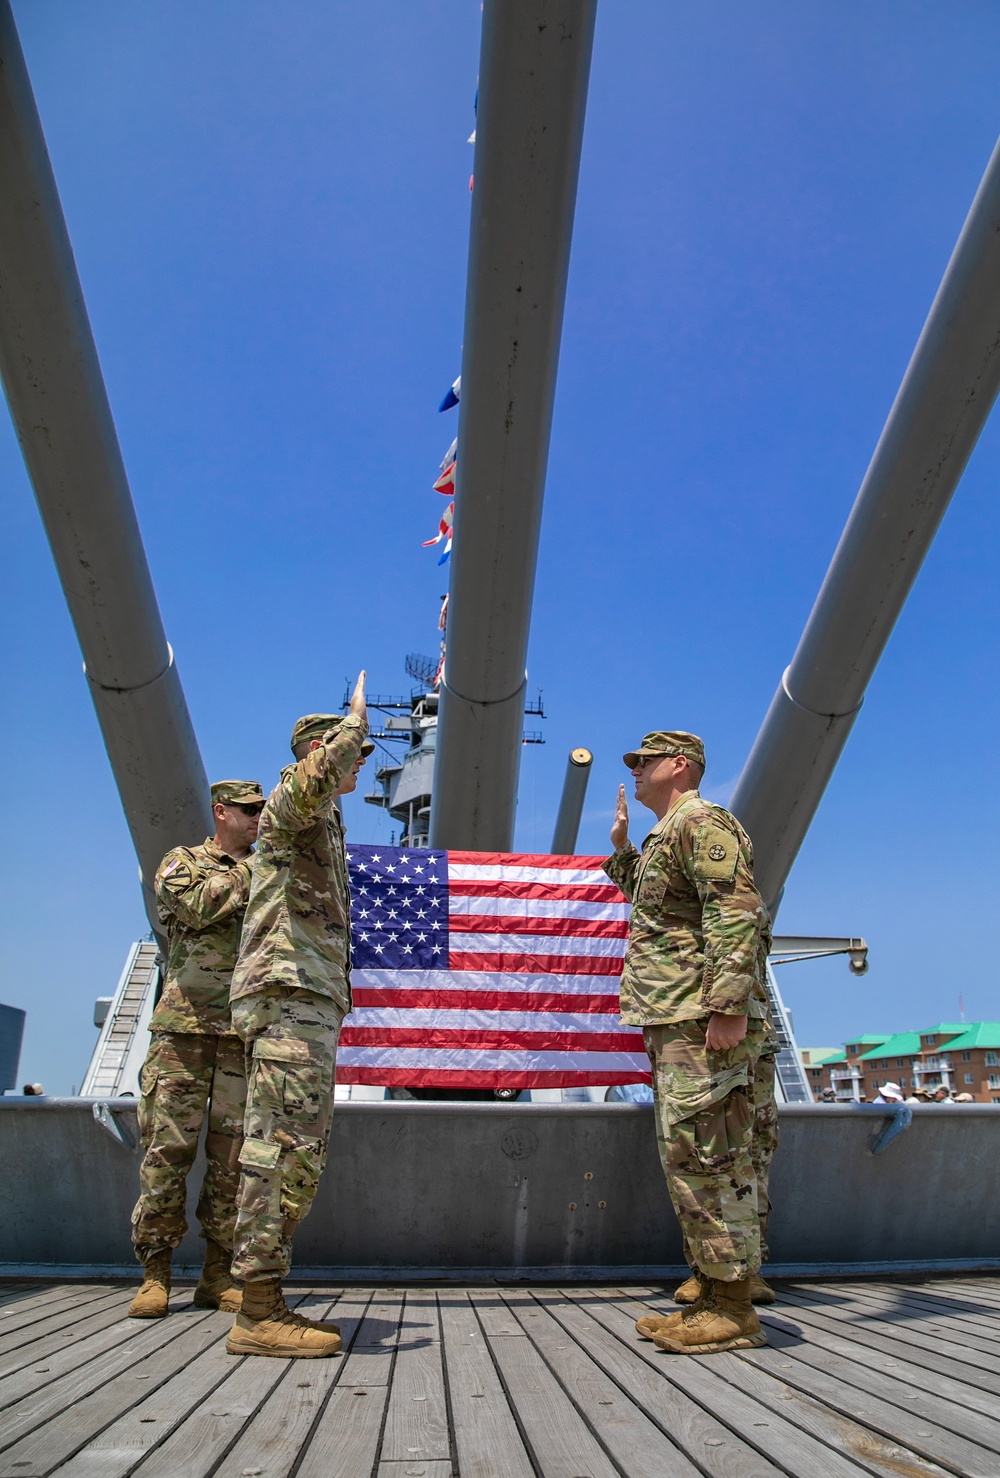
pixel 927 1041
pixel 874 1082
pixel 995 1100
pixel 885 1062
pixel 968 1077
pixel 991 1060
pixel 900 1061
pixel 932 1061
pixel 966 1056
pixel 995 1080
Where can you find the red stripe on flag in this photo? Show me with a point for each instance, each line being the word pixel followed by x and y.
pixel 580 892
pixel 512 1040
pixel 407 1077
pixel 502 924
pixel 486 1000
pixel 525 859
pixel 537 964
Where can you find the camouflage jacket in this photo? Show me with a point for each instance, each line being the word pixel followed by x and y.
pixel 297 930
pixel 699 931
pixel 201 893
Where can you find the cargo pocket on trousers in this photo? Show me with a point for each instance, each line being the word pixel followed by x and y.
pixel 683 1096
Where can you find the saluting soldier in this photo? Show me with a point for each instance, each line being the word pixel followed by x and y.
pixel 290 993
pixel 195 1061
pixel 694 980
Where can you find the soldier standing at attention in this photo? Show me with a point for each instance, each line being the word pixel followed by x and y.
pixel 195 1059
pixel 693 979
pixel 290 993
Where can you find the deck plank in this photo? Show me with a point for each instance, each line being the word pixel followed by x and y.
pixel 886 1379
pixel 715 1382
pixel 827 1348
pixel 345 1441
pixel 851 1389
pixel 275 1436
pixel 560 1440
pixel 62 1335
pixel 634 1441
pixel 29 1397
pixel 416 1424
pixel 65 1429
pixel 21 1316
pixel 715 1449
pixel 374 1348
pixel 922 1369
pixel 419 1469
pixel 486 1436
pixel 884 1304
pixel 262 1411
pixel 966 1364
pixel 980 1331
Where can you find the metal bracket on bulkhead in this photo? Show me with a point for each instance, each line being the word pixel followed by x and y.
pixel 104 1114
pixel 897 1118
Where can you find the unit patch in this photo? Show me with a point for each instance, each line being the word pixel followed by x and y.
pixel 716 856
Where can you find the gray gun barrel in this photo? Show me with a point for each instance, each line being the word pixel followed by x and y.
pixel 941 408
pixel 571 804
pixel 59 406
pixel 533 77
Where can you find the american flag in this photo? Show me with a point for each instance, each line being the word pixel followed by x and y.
pixel 485 970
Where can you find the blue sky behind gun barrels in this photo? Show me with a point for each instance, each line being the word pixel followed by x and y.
pixel 269 208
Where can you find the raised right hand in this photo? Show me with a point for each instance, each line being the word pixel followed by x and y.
pixel 619 831
pixel 358 708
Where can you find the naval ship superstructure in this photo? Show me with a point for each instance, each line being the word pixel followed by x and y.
pixel 485 1186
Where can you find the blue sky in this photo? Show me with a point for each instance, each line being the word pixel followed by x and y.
pixel 269 207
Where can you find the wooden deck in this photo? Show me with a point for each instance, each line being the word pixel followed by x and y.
pixel 896 1379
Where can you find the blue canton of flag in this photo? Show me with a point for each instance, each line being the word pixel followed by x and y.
pixel 399 908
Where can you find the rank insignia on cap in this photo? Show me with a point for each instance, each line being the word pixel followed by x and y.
pixel 717 852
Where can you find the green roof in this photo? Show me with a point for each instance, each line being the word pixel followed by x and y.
pixel 903 1044
pixel 979 1034
pixel 818 1055
pixel 945 1029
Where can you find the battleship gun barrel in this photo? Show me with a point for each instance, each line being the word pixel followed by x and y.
pixel 534 72
pixel 59 406
pixel 942 405
pixel 571 804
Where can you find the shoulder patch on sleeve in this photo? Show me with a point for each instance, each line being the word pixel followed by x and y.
pixel 177 875
pixel 716 855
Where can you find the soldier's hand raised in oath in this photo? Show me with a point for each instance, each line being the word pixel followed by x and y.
pixel 358 708
pixel 619 831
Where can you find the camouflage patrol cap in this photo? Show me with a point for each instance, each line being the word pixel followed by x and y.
pixel 229 792
pixel 315 725
pixel 664 741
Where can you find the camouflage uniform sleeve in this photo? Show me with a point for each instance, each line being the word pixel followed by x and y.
pixel 621 866
pixel 199 898
pixel 308 785
pixel 733 914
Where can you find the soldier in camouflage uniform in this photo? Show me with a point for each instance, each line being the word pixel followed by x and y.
pixel 694 980
pixel 290 993
pixel 195 1061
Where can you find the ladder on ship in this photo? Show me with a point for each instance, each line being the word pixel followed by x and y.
pixel 792 1083
pixel 121 1048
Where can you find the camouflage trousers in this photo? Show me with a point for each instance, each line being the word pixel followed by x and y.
pixel 186 1076
pixel 714 1150
pixel 290 1038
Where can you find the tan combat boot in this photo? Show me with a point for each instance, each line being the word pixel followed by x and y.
pixel 761 1292
pixel 694 1292
pixel 151 1300
pixel 217 1288
pixel 264 1326
pixel 725 1320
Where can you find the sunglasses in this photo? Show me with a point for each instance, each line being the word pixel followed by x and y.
pixel 249 808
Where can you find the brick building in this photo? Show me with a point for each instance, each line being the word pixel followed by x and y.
pixel 965 1057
